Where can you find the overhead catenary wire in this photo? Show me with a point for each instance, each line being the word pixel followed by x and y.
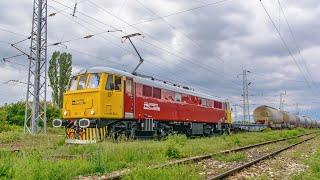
pixel 84 26
pixel 108 12
pixel 12 32
pixel 155 46
pixel 169 72
pixel 295 41
pixel 180 12
pixel 178 55
pixel 84 37
pixel 206 66
pixel 173 27
pixel 286 46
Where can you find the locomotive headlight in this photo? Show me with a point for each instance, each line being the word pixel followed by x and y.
pixel 92 112
pixel 65 113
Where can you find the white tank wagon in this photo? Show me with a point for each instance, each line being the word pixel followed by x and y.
pixel 307 122
pixel 269 116
pixel 290 120
pixel 303 122
pixel 275 118
pixel 314 123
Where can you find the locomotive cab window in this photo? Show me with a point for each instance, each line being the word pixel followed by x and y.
pixel 113 82
pixel 82 82
pixel 73 83
pixel 109 85
pixel 117 83
pixel 94 81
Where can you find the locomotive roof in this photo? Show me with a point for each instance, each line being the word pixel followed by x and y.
pixel 149 82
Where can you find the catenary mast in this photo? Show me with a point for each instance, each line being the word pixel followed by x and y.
pixel 37 70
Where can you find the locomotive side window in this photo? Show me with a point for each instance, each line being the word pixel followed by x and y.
pixel 147 91
pixel 94 81
pixel 82 82
pixel 73 83
pixel 109 82
pixel 157 93
pixel 178 97
pixel 117 83
pixel 217 105
pixel 129 86
pixel 204 102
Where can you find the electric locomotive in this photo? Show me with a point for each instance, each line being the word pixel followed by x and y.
pixel 102 102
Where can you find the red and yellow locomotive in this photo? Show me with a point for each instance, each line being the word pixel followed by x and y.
pixel 104 102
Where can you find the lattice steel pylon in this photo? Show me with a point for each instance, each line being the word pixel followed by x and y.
pixel 245 94
pixel 37 75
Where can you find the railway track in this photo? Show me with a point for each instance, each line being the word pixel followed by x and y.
pixel 255 161
pixel 121 173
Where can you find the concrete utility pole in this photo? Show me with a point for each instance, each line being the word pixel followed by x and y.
pixel 235 112
pixel 245 94
pixel 37 71
pixel 281 106
pixel 297 109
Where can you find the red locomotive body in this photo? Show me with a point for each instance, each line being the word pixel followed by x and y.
pixel 158 103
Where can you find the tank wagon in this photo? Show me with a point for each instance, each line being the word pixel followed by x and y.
pixel 102 101
pixel 277 119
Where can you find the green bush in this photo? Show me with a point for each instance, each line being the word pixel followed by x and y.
pixel 13 114
pixel 174 143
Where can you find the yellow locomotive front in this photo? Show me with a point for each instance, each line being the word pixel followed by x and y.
pixel 91 100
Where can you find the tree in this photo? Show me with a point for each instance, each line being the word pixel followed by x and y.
pixel 60 68
pixel 13 114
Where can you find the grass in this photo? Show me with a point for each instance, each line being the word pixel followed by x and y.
pixel 232 157
pixel 42 156
pixel 183 172
pixel 314 168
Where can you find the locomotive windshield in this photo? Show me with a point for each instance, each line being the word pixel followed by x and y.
pixel 84 81
pixel 94 81
pixel 73 83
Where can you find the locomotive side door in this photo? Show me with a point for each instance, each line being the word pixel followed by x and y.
pixel 129 98
pixel 112 97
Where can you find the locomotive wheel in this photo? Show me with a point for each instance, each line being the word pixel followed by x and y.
pixel 229 130
pixel 117 130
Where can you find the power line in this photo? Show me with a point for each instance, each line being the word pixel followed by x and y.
pixel 89 29
pixel 285 45
pixel 98 6
pixel 295 41
pixel 174 74
pixel 84 37
pixel 173 27
pixel 179 12
pixel 157 47
pixel 84 14
pixel 12 32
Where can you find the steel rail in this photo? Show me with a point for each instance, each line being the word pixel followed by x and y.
pixel 120 173
pixel 268 156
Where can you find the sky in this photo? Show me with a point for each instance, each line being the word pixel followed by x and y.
pixel 205 44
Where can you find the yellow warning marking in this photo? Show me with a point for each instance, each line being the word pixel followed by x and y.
pixel 90 134
pixel 94 133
